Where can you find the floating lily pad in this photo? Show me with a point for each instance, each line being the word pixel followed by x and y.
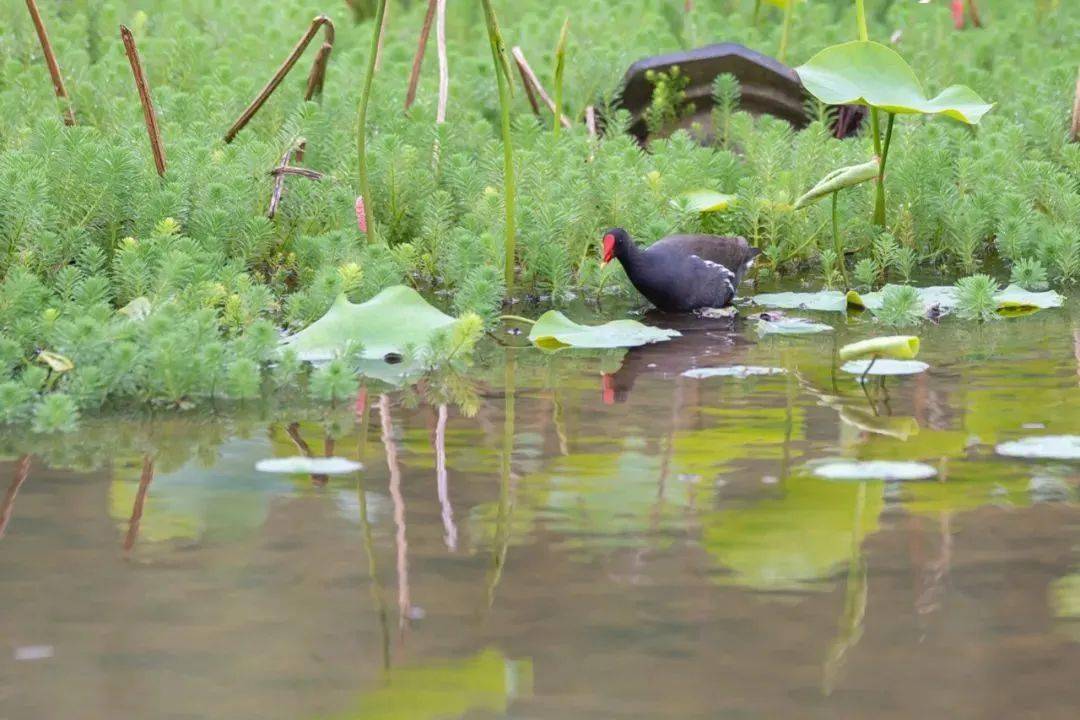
pixel 825 300
pixel 1012 301
pixel 708 201
pixel 791 326
pixel 900 347
pixel 1046 447
pixel 869 73
pixel 738 371
pixel 555 331
pixel 389 323
pixel 874 470
pixel 885 367
pixel 300 465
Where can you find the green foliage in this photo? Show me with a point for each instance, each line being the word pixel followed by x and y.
pixel 668 102
pixel 975 298
pixel 900 306
pixel 87 227
pixel 1029 274
pixel 56 412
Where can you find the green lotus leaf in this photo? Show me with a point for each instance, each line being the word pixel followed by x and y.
pixel 869 73
pixel 555 331
pixel 885 367
pixel 707 201
pixel 839 179
pixel 791 326
pixel 1011 302
pixel 899 347
pixel 824 300
pixel 389 323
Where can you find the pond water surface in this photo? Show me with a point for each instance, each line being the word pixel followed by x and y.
pixel 567 536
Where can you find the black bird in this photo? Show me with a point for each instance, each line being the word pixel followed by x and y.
pixel 681 273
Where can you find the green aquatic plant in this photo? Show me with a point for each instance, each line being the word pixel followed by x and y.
pixel 868 73
pixel 975 298
pixel 900 307
pixel 1030 274
pixel 726 95
pixel 56 412
pixel 668 103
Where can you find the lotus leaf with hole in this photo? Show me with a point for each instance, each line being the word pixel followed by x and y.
pixel 393 321
pixel 869 73
pixel 555 331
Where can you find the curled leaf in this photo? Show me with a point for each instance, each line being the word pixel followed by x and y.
pixel 839 179
pixel 899 347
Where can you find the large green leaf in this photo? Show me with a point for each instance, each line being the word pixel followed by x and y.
pixel 392 321
pixel 555 331
pixel 869 73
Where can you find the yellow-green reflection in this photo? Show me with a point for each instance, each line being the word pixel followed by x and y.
pixel 487 682
pixel 795 540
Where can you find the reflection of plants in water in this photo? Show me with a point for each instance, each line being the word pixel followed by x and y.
pixel 793 541
pixel 485 683
pixel 504 517
pixel 1065 603
pixel 851 621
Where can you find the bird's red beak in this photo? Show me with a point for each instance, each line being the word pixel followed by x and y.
pixel 609 249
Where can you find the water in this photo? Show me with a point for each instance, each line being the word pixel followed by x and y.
pixel 544 540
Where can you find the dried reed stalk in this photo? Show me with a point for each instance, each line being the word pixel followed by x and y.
pixel 1075 133
pixel 145 479
pixel 22 471
pixel 315 78
pixel 973 11
pixel 279 173
pixel 50 60
pixel 418 59
pixel 149 116
pixel 590 120
pixel 444 66
pixel 529 77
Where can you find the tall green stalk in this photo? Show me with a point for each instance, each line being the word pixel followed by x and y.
pixel 789 10
pixel 361 130
pixel 502 77
pixel 560 67
pixel 875 126
pixel 838 245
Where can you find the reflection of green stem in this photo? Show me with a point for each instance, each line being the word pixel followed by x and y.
pixel 373 575
pixel 361 130
pixel 506 504
pixel 851 622
pixel 789 10
pixel 838 245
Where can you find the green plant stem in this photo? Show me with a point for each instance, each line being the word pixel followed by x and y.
pixel 860 19
pixel 560 66
pixel 757 11
pixel 361 130
pixel 883 156
pixel 502 77
pixel 517 318
pixel 789 10
pixel 838 246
